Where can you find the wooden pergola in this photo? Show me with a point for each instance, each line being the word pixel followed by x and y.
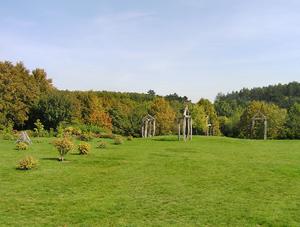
pixel 259 116
pixel 185 125
pixel 148 126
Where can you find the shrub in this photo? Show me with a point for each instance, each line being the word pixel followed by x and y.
pixel 102 145
pixel 39 130
pixel 85 137
pixel 118 140
pixel 51 132
pixel 8 132
pixel 130 138
pixel 27 163
pixel 63 146
pixel 84 148
pixel 21 146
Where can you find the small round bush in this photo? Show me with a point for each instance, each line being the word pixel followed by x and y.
pixel 84 148
pixel 102 145
pixel 21 146
pixel 27 163
pixel 63 145
pixel 130 138
pixel 118 140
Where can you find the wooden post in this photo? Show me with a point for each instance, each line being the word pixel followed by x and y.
pixel 184 129
pixel 266 129
pixel 150 129
pixel 191 128
pixel 146 129
pixel 179 131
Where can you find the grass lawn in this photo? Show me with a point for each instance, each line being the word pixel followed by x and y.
pixel 156 182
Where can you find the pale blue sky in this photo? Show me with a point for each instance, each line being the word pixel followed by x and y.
pixel 193 47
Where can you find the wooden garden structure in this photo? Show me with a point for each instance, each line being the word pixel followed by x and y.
pixel 148 126
pixel 24 138
pixel 209 127
pixel 185 125
pixel 259 116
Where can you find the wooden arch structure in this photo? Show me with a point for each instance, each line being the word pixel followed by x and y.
pixel 148 126
pixel 185 125
pixel 259 116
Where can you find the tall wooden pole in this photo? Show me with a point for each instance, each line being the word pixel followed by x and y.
pixel 154 127
pixel 146 128
pixel 191 128
pixel 266 129
pixel 179 131
pixel 184 129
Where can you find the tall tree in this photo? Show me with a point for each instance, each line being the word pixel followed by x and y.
pixel 18 92
pixel 164 114
pixel 275 117
pixel 293 122
pixel 210 112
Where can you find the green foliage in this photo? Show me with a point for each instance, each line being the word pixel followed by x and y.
pixel 164 115
pixel 21 146
pixel 275 116
pixel 60 130
pixel 27 163
pixel 129 138
pixel 84 148
pixel 102 145
pixel 118 140
pixel 54 108
pixel 293 122
pixel 63 145
pixel 230 125
pixel 39 130
pixel 8 132
pixel 210 112
pixel 51 132
pixel 199 119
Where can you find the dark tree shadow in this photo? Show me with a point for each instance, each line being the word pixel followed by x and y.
pixel 165 139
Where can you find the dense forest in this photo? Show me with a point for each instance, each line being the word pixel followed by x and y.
pixel 29 100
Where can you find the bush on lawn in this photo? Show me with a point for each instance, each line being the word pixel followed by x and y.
pixel 27 163
pixel 63 146
pixel 21 146
pixel 84 148
pixel 102 145
pixel 118 140
pixel 130 138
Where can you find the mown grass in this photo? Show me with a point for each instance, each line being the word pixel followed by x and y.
pixel 154 182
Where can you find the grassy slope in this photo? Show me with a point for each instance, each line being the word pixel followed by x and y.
pixel 209 181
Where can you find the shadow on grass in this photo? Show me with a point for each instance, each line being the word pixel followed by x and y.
pixel 166 139
pixel 50 159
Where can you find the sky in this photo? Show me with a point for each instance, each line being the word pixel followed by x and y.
pixel 196 48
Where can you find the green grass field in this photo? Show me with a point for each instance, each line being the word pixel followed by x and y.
pixel 156 182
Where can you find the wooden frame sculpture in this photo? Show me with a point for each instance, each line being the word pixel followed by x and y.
pixel 148 126
pixel 185 124
pixel 259 116
pixel 24 138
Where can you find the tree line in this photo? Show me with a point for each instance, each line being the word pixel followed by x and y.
pixel 30 96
